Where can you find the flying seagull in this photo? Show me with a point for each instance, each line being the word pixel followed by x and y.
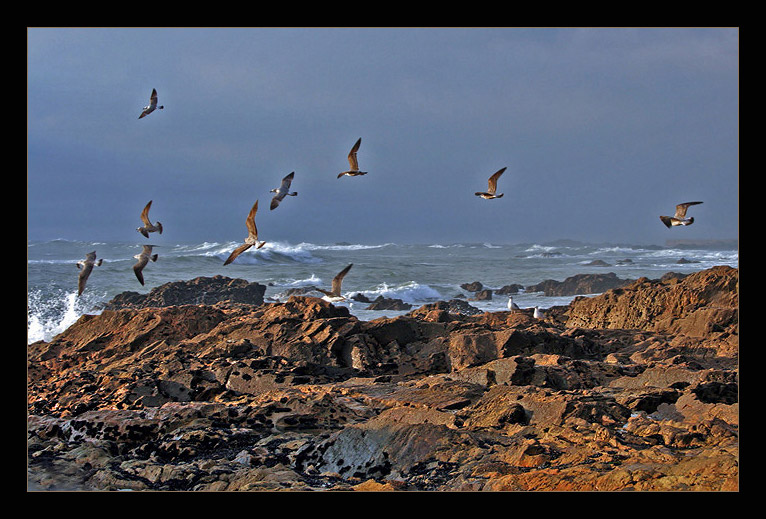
pixel 282 191
pixel 148 225
pixel 352 162
pixel 680 217
pixel 252 236
pixel 334 295
pixel 143 259
pixel 86 267
pixel 492 187
pixel 511 305
pixel 152 106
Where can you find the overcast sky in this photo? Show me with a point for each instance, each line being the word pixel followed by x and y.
pixel 601 131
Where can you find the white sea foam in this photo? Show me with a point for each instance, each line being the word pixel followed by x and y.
pixel 409 292
pixel 47 317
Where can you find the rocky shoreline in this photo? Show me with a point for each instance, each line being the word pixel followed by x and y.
pixel 633 389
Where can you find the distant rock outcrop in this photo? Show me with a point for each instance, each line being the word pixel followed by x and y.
pixel 579 284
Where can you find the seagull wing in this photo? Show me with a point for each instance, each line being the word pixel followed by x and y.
pixel 139 266
pixel 681 208
pixel 145 214
pixel 83 277
pixel 286 182
pixel 352 155
pixel 337 280
pixel 236 252
pixel 492 183
pixel 250 222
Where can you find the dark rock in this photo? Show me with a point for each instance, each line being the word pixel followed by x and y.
pixel 482 295
pixel 579 284
pixel 472 287
pixel 597 263
pixel 385 303
pixel 509 289
pixel 198 291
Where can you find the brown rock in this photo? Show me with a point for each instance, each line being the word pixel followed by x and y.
pixel 639 391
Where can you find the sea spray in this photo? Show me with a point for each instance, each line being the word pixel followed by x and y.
pixel 417 274
pixel 49 315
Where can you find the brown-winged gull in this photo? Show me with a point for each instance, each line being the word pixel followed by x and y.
pixel 143 259
pixel 680 217
pixel 489 194
pixel 353 163
pixel 252 236
pixel 86 267
pixel 148 225
pixel 334 295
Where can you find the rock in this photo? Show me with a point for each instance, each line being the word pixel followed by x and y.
pixel 699 304
pixel 482 295
pixel 472 287
pixel 198 291
pixel 597 263
pixel 634 389
pixel 509 289
pixel 579 284
pixel 385 303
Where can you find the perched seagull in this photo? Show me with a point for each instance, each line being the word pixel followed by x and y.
pixel 538 313
pixel 680 217
pixel 143 259
pixel 511 305
pixel 334 295
pixel 152 105
pixel 86 266
pixel 492 187
pixel 352 162
pixel 252 236
pixel 282 191
pixel 148 225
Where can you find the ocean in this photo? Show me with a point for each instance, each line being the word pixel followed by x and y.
pixel 417 274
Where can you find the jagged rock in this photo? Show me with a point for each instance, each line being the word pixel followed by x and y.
pixel 635 389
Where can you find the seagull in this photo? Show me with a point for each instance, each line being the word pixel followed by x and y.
pixel 252 236
pixel 511 305
pixel 680 217
pixel 148 225
pixel 538 313
pixel 352 162
pixel 334 295
pixel 152 105
pixel 86 266
pixel 282 191
pixel 492 187
pixel 143 259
